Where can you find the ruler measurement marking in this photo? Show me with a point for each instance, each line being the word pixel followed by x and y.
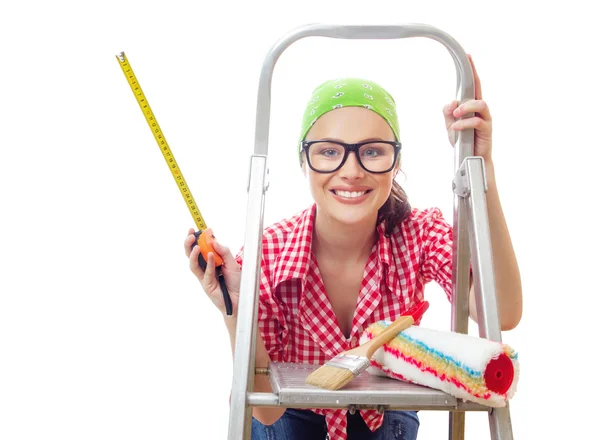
pixel 161 141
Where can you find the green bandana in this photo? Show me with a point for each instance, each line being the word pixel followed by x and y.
pixel 349 92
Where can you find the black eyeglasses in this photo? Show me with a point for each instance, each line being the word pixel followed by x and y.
pixel 373 156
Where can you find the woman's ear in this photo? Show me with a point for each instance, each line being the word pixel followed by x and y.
pixel 396 168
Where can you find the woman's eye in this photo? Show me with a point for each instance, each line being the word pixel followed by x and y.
pixel 329 152
pixel 371 152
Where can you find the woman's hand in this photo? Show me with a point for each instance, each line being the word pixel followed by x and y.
pixel 208 279
pixel 481 121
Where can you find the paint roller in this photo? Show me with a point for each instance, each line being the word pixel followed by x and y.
pixel 467 367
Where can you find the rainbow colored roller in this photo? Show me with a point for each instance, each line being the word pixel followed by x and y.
pixel 466 367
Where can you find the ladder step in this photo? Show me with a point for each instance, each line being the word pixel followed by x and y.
pixel 365 391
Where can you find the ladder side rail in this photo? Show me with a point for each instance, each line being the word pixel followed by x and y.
pixel 484 279
pixel 240 416
pixel 461 257
pixel 460 292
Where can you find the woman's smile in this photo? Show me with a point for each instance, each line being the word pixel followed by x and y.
pixel 351 196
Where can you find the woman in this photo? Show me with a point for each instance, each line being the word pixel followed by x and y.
pixel 358 255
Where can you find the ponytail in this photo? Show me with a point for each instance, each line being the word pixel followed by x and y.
pixel 395 210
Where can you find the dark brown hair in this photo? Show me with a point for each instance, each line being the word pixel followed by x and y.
pixel 395 210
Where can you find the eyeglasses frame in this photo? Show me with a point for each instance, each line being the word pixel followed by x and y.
pixel 349 148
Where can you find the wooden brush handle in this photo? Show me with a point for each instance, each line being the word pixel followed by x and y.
pixel 402 323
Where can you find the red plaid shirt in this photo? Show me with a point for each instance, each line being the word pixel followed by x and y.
pixel 296 319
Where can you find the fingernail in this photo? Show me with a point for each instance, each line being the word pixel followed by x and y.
pixel 456 112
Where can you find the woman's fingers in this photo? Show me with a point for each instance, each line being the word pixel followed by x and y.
pixel 194 265
pixel 482 126
pixel 206 277
pixel 209 281
pixel 188 242
pixel 225 253
pixel 448 113
pixel 480 108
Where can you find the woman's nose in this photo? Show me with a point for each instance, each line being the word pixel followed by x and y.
pixel 351 168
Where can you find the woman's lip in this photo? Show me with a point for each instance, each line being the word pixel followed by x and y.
pixel 350 200
pixel 353 189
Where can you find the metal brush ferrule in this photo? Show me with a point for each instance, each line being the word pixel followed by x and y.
pixel 355 364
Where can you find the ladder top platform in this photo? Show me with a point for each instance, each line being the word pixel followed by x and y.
pixel 365 391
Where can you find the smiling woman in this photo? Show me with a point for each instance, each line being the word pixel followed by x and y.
pixel 358 255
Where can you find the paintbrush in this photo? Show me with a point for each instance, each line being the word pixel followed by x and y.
pixel 339 371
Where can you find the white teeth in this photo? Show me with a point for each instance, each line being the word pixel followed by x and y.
pixel 349 194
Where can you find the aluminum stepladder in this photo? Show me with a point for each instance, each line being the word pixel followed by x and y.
pixel 471 245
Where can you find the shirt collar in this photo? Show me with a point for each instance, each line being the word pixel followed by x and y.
pixel 293 260
pixel 388 270
pixel 383 245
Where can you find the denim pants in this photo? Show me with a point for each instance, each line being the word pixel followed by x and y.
pixel 298 424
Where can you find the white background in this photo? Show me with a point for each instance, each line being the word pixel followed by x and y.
pixel 104 332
